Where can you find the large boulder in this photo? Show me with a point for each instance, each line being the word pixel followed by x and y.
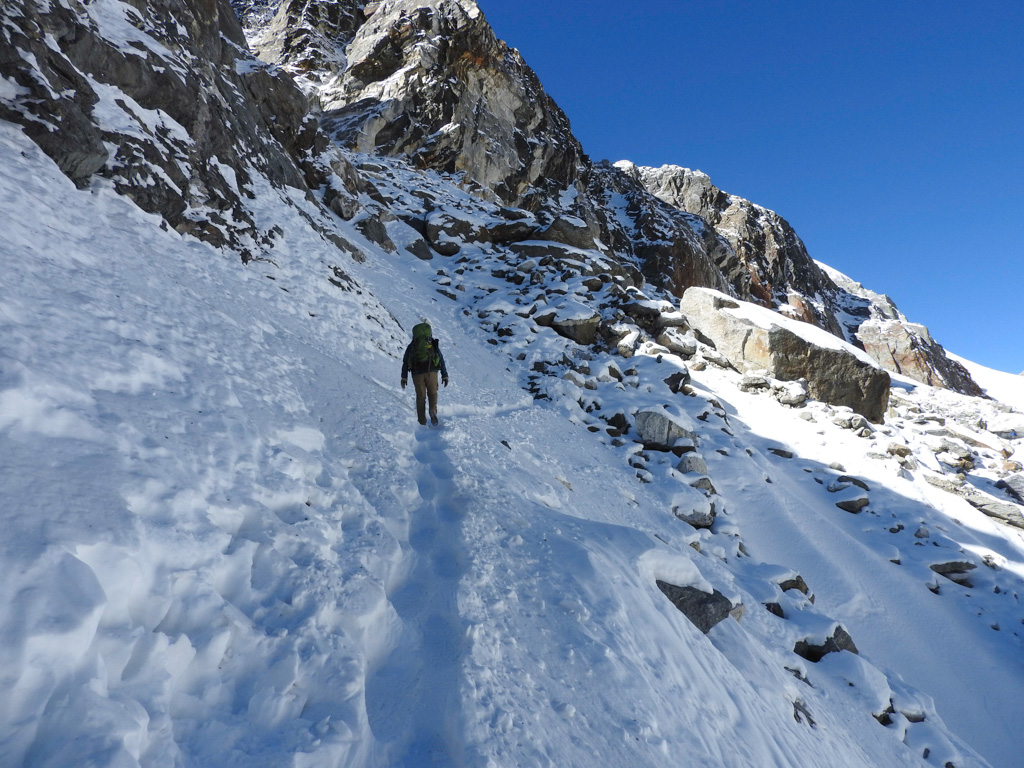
pixel 754 338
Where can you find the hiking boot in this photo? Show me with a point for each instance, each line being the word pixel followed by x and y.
pixel 433 420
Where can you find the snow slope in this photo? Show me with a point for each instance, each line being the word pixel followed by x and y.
pixel 228 542
pixel 1005 387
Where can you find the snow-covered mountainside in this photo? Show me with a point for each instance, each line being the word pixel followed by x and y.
pixel 641 536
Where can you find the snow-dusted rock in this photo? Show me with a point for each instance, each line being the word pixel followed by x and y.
pixel 429 79
pixel 908 349
pixel 838 640
pixel 704 609
pixel 572 320
pixel 660 430
pixel 754 338
pixel 790 392
pixel 180 120
pixel 768 260
pixel 678 342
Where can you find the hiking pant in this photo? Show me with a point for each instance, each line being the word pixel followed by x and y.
pixel 426 387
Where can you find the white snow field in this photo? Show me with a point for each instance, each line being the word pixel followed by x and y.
pixel 226 542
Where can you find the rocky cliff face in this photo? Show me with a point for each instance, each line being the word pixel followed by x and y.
pixel 182 119
pixel 772 266
pixel 430 81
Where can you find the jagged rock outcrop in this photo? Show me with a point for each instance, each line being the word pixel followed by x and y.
pixel 772 267
pixel 908 349
pixel 430 81
pixel 754 338
pixel 770 264
pixel 675 249
pixel 872 321
pixel 180 121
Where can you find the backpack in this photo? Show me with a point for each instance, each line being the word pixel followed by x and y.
pixel 424 349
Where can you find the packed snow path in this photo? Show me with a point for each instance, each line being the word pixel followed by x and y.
pixel 413 692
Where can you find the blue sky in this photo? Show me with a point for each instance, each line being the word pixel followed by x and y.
pixel 890 135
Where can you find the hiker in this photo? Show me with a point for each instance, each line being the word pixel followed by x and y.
pixel 424 359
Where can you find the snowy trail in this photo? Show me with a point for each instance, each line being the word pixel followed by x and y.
pixel 412 695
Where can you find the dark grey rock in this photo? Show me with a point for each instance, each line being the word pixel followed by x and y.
pixel 839 640
pixel 853 505
pixel 678 380
pixel 955 570
pixel 703 609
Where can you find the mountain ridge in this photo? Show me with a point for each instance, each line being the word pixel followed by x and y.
pixel 767 264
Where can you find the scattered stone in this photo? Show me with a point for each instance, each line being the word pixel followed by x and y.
pixel 702 517
pixel 839 640
pixel 853 505
pixel 677 342
pixel 853 481
pixel 956 571
pixel 897 449
pixel 692 462
pixel 659 430
pixel 678 380
pixel 753 381
pixel 791 392
pixel 801 713
pixel 703 609
pixel 795 582
pixel 781 453
pixel 703 483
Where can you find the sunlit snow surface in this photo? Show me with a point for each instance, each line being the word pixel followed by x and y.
pixel 227 542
